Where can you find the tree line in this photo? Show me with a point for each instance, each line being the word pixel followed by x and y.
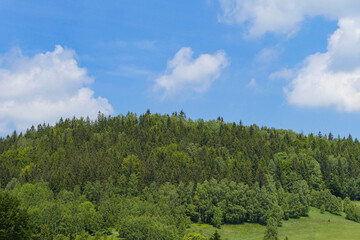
pixel 158 211
pixel 164 171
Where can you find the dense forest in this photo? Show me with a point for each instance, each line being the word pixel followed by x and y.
pixel 150 176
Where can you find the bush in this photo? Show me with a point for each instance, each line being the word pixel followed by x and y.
pixel 194 236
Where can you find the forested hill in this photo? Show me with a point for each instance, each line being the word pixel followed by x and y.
pixel 149 177
pixel 161 148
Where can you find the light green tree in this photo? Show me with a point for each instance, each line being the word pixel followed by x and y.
pixel 194 236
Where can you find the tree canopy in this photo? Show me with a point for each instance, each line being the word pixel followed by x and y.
pixel 14 221
pixel 161 172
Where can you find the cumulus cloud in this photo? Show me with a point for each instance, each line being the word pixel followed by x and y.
pixel 283 16
pixel 331 78
pixel 44 88
pixel 328 79
pixel 344 45
pixel 185 73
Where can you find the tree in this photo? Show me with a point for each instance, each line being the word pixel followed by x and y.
pixel 335 205
pixel 45 232
pixel 271 232
pixel 217 218
pixel 14 221
pixel 322 209
pixel 215 236
pixel 351 210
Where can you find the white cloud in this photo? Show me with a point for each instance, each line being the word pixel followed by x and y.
pixel 185 73
pixel 283 16
pixel 331 78
pixel 344 45
pixel 44 88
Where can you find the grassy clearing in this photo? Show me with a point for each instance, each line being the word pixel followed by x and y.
pixel 317 226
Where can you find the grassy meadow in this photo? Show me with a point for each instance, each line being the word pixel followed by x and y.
pixel 317 226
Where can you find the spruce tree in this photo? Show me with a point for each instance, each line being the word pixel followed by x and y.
pixel 271 232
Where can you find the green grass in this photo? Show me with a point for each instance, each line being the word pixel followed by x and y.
pixel 317 226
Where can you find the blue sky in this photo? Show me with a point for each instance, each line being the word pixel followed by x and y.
pixel 279 63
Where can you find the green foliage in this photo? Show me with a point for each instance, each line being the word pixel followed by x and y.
pixel 271 232
pixel 322 209
pixel 300 228
pixel 14 221
pixel 60 237
pixel 352 211
pixel 146 227
pixel 194 236
pixel 217 217
pixel 162 148
pixel 325 198
pixel 81 178
pixel 215 236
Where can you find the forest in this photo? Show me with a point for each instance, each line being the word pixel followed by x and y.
pixel 151 176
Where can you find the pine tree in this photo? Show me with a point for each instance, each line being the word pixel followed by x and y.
pixel 271 232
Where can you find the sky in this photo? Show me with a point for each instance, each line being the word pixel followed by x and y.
pixel 278 63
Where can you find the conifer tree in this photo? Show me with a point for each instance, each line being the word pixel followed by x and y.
pixel 271 232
